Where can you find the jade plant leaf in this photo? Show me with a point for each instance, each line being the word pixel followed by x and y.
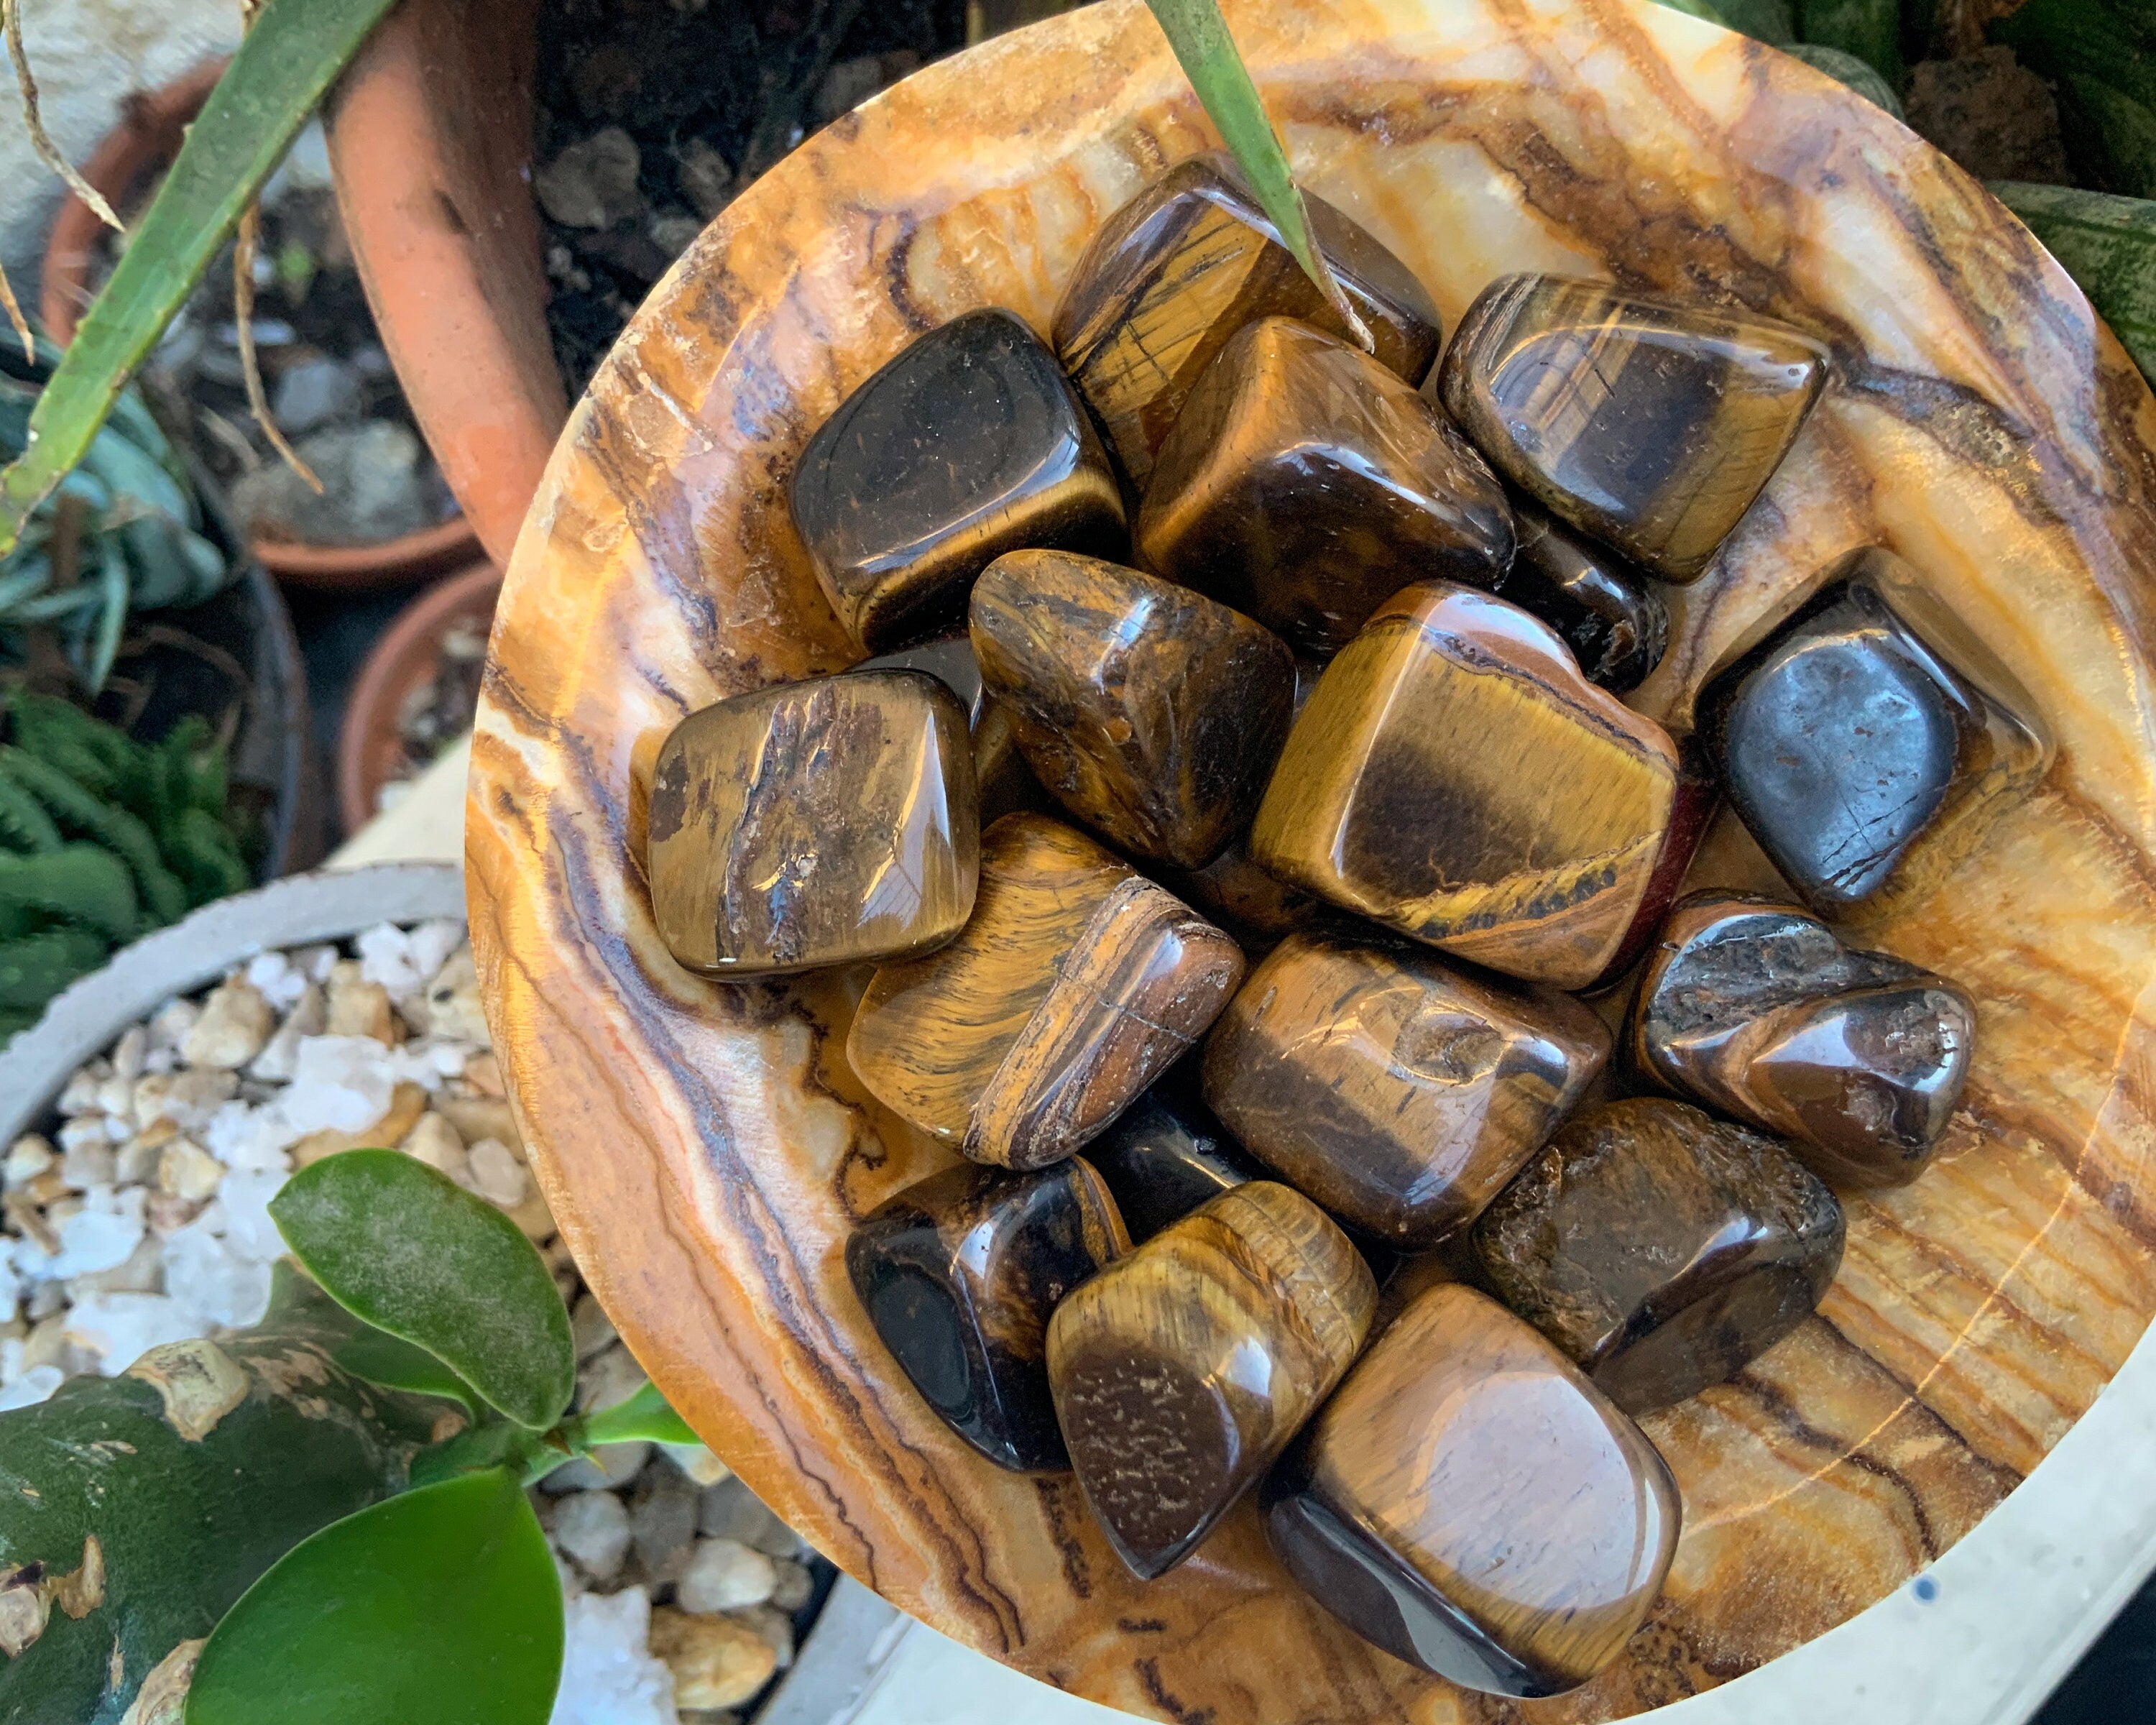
pixel 2108 245
pixel 1869 29
pixel 644 1415
pixel 442 1605
pixel 379 1357
pixel 1859 75
pixel 407 1250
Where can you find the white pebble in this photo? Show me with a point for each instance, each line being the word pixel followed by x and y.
pixel 245 1200
pixel 338 1083
pixel 173 1021
pixel 187 1099
pixel 725 1575
pixel 498 1175
pixel 385 957
pixel 187 1170
pixel 80 1094
pixel 212 1281
pixel 118 1329
pixel 129 1053
pixel 28 1156
pixel 86 1164
pixel 159 1060
pixel 235 1023
pixel 103 1233
pixel 83 1130
pixel 254 1139
pixel 278 982
pixel 593 1527
pixel 448 1059
pixel 431 943
pixel 134 1163
pixel 119 1128
pixel 116 1095
pixel 279 1056
pixel 609 1677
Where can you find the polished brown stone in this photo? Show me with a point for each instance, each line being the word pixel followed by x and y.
pixel 967 444
pixel 1756 1008
pixel 1454 777
pixel 1188 262
pixel 1647 423
pixel 1183 1370
pixel 1003 782
pixel 1151 712
pixel 1870 744
pixel 1661 1249
pixel 1470 1503
pixel 1615 622
pixel 1305 483
pixel 1166 1155
pixel 1076 983
pixel 825 822
pixel 959 1273
pixel 1398 1091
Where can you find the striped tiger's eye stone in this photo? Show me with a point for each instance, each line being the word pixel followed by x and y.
pixel 1182 1371
pixel 1616 625
pixel 1305 483
pixel 1077 983
pixel 1188 262
pixel 1869 745
pixel 1003 782
pixel 1757 1009
pixel 1166 1155
pixel 1661 1249
pixel 969 444
pixel 1149 711
pixel 959 1273
pixel 1396 1091
pixel 1454 777
pixel 826 822
pixel 1647 423
pixel 1471 1504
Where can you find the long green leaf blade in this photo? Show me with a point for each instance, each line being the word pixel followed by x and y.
pixel 288 60
pixel 1209 59
pixel 2108 245
pixel 441 1605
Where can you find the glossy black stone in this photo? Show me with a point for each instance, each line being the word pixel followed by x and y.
pixel 1166 1155
pixel 960 1272
pixel 1616 623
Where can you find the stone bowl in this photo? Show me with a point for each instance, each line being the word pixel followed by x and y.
pixel 705 1146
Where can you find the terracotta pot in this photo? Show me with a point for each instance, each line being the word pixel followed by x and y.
pixel 430 140
pixel 369 750
pixel 151 127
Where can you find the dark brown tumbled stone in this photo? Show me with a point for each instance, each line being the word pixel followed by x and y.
pixel 1305 483
pixel 1757 1009
pixel 1660 1249
pixel 969 444
pixel 1649 423
pixel 1152 713
pixel 1002 780
pixel 1185 1369
pixel 1166 1155
pixel 825 822
pixel 959 1273
pixel 1186 264
pixel 1616 623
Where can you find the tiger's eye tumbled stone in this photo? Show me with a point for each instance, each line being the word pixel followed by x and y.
pixel 1647 423
pixel 1757 1009
pixel 967 444
pixel 1305 483
pixel 1186 263
pixel 1616 625
pixel 1002 781
pixel 1849 736
pixel 1660 1249
pixel 1150 712
pixel 1454 777
pixel 1183 1370
pixel 1077 983
pixel 826 822
pixel 1398 1092
pixel 959 1273
pixel 1166 1155
pixel 1471 1504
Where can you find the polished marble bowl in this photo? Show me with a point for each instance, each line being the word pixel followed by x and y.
pixel 705 1146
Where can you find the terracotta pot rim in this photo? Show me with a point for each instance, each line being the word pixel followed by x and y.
pixel 150 125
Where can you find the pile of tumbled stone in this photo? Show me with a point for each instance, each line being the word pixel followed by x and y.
pixel 143 1219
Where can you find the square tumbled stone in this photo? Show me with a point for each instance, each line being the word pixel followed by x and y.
pixel 826 822
pixel 1454 777
pixel 1077 982
pixel 967 444
pixel 1186 263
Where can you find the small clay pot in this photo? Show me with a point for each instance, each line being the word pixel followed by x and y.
pixel 152 126
pixel 369 748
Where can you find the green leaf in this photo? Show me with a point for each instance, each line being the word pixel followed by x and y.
pixel 644 1415
pixel 529 1455
pixel 380 1357
pixel 409 1251
pixel 2102 56
pixel 442 1605
pixel 1871 30
pixel 288 60
pixel 2108 245
pixel 1208 55
pixel 1847 69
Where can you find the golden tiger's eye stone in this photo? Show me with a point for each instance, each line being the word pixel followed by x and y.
pixel 1471 1504
pixel 959 1273
pixel 1616 625
pixel 1305 483
pixel 1454 777
pixel 1166 1155
pixel 1002 779
pixel 1647 423
pixel 1399 1093
pixel 1183 1370
pixel 1075 984
pixel 1186 263
pixel 1149 711
pixel 826 822
pixel 1660 1249
pixel 967 444
pixel 1869 744
pixel 1757 1009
